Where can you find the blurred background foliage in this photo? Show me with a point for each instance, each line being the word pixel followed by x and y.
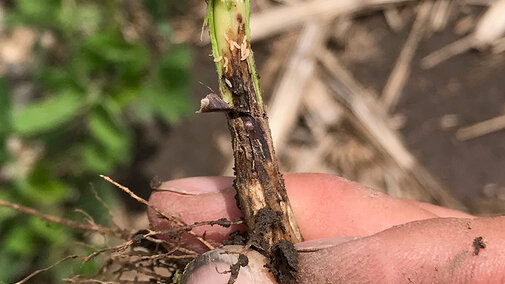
pixel 95 71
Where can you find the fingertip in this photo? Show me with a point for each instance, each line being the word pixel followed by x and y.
pixel 217 266
pixel 184 197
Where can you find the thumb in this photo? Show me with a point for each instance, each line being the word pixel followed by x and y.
pixel 439 250
pixel 244 266
pixel 222 265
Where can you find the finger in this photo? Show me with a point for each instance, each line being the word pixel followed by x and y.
pixel 324 206
pixel 439 210
pixel 219 265
pixel 328 206
pixel 441 250
pixel 195 200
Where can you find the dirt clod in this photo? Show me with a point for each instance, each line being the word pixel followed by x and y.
pixel 265 221
pixel 236 238
pixel 478 244
pixel 155 182
pixel 284 262
pixel 223 222
pixel 139 240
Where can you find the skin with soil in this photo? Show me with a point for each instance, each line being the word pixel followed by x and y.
pixel 478 244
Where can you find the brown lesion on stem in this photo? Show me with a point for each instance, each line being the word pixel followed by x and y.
pixel 259 184
pixel 261 193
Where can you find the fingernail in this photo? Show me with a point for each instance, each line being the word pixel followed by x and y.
pixel 215 267
pixel 319 244
pixel 197 185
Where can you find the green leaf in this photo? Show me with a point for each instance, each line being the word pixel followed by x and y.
pixel 52 232
pixel 109 49
pixel 36 12
pixel 95 159
pixel 89 203
pixel 55 78
pixel 167 91
pixel 17 264
pixel 170 106
pixel 43 188
pixel 5 118
pixel 103 128
pixel 5 108
pixel 173 68
pixel 48 114
pixel 84 18
pixel 20 240
pixel 5 212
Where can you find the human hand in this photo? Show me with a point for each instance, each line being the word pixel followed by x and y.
pixel 353 234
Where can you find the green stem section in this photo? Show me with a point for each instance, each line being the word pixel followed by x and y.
pixel 226 19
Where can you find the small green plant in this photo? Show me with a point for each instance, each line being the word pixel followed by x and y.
pixel 98 72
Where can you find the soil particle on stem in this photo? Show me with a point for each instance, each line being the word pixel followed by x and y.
pixel 139 240
pixel 284 262
pixel 236 238
pixel 265 220
pixel 283 257
pixel 223 222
